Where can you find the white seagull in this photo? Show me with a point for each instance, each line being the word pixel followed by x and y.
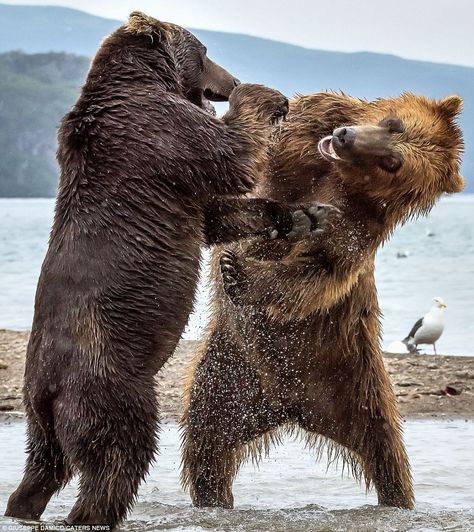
pixel 427 330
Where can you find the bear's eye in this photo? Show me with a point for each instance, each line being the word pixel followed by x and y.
pixel 390 163
pixel 393 124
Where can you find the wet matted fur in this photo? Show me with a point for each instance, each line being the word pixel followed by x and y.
pixel 142 168
pixel 296 344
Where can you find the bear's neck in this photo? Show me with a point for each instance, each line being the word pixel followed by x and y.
pixel 391 206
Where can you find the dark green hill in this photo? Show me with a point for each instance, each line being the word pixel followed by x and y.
pixel 46 89
pixel 35 92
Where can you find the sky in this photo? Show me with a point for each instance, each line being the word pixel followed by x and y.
pixel 431 30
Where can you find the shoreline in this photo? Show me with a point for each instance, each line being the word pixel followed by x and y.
pixel 420 381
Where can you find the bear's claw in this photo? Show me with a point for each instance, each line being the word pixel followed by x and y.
pixel 233 278
pixel 311 221
pixel 280 114
pixel 300 227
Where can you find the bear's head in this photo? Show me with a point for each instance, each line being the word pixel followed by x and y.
pixel 405 150
pixel 200 79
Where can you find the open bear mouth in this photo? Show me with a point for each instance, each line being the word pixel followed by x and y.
pixel 326 149
pixel 207 106
pixel 207 96
pixel 212 96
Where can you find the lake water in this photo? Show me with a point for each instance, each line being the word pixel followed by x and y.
pixel 438 265
pixel 289 491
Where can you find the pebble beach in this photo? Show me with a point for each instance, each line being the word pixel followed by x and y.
pixel 427 386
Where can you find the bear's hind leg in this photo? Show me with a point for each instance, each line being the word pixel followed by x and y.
pixel 360 413
pixel 385 461
pixel 112 453
pixel 46 472
pixel 226 409
pixel 377 437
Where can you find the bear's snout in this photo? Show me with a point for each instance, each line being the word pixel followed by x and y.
pixel 351 142
pixel 343 138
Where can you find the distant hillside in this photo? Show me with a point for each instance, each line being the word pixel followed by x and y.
pixel 35 92
pixel 36 29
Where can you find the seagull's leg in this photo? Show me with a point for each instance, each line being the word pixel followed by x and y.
pixel 434 345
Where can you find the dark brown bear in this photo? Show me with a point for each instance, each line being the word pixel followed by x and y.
pixel 141 162
pixel 295 346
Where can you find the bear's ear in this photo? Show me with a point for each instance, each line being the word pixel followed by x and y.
pixel 141 24
pixel 455 184
pixel 451 105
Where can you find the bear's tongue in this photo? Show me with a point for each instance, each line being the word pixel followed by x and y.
pixel 326 149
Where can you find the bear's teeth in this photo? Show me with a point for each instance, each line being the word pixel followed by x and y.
pixel 332 152
pixel 326 149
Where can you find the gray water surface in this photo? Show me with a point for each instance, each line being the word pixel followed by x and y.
pixel 438 265
pixel 289 491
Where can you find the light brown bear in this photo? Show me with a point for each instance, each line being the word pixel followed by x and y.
pixel 294 343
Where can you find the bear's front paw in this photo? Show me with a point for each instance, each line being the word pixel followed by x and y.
pixel 317 215
pixel 273 107
pixel 233 277
pixel 282 106
pixel 304 221
pixel 269 105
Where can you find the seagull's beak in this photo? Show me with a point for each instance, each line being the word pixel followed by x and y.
pixel 443 305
